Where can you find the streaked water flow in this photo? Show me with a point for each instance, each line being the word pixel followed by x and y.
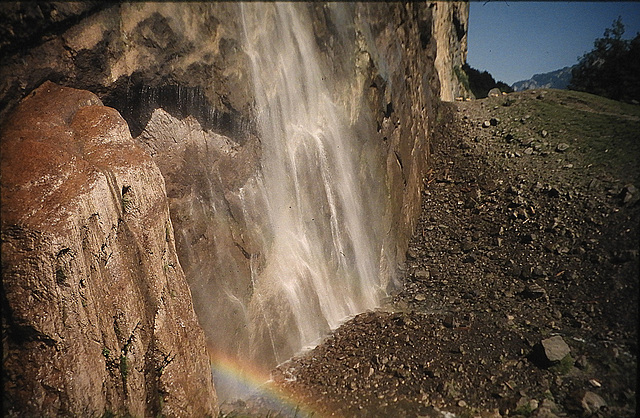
pixel 321 261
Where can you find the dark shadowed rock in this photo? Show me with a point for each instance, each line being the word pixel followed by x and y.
pixel 553 192
pixel 450 321
pixel 627 193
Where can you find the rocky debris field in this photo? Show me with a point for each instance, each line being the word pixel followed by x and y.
pixel 520 290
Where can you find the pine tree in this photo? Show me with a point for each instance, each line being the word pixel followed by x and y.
pixel 612 68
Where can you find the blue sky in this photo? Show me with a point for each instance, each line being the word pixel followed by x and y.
pixel 514 40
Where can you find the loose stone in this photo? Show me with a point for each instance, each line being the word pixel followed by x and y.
pixel 555 349
pixel 592 402
pixel 422 274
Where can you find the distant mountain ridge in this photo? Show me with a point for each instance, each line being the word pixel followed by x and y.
pixel 558 79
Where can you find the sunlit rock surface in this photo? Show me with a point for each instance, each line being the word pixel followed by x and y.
pixel 97 314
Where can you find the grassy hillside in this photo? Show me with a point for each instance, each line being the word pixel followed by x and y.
pixel 605 132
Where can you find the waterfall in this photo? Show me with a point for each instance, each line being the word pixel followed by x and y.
pixel 322 261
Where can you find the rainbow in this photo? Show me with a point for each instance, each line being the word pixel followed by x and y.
pixel 251 382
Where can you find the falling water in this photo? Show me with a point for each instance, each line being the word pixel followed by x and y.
pixel 322 262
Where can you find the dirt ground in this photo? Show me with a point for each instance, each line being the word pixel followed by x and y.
pixel 520 291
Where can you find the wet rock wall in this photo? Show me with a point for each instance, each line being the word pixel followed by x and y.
pixel 178 75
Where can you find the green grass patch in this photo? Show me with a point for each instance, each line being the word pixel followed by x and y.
pixel 462 77
pixel 523 410
pixel 564 366
pixel 608 141
pixel 605 132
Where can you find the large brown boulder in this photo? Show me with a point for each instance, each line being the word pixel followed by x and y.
pixel 97 314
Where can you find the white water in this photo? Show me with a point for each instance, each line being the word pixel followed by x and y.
pixel 321 258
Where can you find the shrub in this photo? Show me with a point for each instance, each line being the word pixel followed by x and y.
pixel 481 82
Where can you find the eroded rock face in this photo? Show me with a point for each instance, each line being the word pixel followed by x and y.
pixel 97 314
pixel 205 175
pixel 134 56
pixel 450 32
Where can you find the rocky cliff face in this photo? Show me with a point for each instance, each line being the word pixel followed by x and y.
pixel 134 56
pixel 180 75
pixel 450 31
pixel 97 314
